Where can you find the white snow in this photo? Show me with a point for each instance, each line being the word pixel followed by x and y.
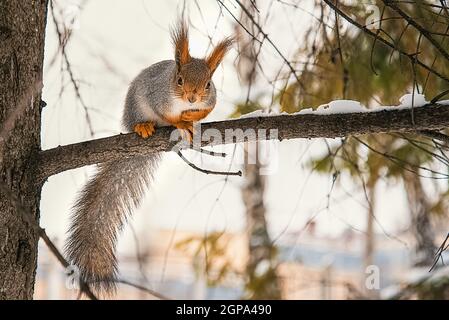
pixel 408 101
pixel 338 106
pixel 349 106
pixel 258 113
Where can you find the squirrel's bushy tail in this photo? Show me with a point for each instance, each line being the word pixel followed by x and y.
pixel 99 214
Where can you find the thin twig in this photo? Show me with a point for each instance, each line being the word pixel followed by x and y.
pixel 142 288
pixel 418 27
pixel 76 87
pixel 383 41
pixel 439 253
pixel 211 153
pixel 223 173
pixel 434 135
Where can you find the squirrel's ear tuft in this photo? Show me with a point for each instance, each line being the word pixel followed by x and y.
pixel 217 55
pixel 180 38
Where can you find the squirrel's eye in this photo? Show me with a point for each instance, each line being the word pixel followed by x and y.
pixel 180 81
pixel 208 85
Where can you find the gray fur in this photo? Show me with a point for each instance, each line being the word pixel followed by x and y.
pixel 152 91
pixel 111 195
pixel 100 213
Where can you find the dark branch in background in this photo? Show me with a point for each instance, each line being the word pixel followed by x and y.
pixel 405 164
pixel 440 95
pixel 143 289
pixel 434 135
pixel 410 56
pixel 62 45
pixel 418 27
pixel 439 254
pixel 431 117
pixel 265 36
pixel 410 289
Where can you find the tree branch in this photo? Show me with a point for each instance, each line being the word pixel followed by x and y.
pixel 429 117
pixel 367 31
pixel 418 27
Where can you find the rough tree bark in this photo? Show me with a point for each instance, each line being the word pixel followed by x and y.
pixel 22 32
pixel 431 117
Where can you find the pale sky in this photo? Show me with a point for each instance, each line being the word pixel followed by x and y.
pixel 112 43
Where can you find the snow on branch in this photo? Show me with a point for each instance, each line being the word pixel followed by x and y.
pixel 352 120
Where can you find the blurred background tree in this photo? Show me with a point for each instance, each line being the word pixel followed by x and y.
pixel 261 280
pixel 340 61
pixel 359 68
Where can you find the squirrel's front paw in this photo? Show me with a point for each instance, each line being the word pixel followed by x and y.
pixel 185 129
pixel 194 114
pixel 145 129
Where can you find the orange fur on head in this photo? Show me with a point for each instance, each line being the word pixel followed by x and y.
pixel 180 37
pixel 217 55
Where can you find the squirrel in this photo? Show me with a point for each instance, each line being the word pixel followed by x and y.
pixel 168 93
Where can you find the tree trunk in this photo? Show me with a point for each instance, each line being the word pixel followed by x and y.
pixel 421 226
pixel 369 242
pixel 22 32
pixel 262 282
pixel 368 258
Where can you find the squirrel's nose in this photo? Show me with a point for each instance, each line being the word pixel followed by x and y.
pixel 192 99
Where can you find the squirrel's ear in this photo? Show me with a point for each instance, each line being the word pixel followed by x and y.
pixel 217 55
pixel 180 38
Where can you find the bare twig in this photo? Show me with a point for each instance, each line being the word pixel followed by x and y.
pixel 142 288
pixel 439 96
pixel 439 254
pixel 418 27
pixel 212 153
pixel 223 173
pixel 435 135
pixel 62 44
pixel 384 42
